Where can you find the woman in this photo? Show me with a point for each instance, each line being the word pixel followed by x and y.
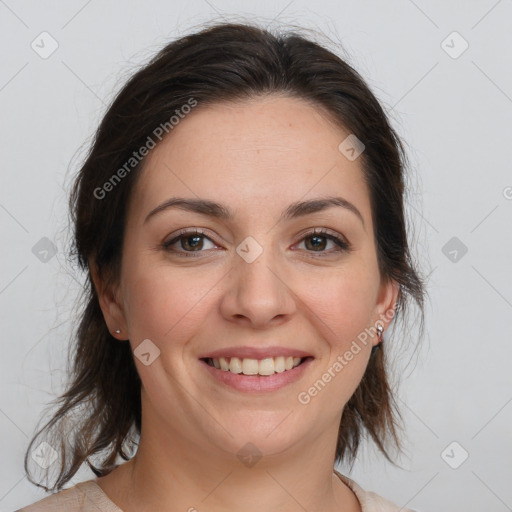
pixel 240 217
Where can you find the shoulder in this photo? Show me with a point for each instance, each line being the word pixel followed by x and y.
pixel 82 497
pixel 371 502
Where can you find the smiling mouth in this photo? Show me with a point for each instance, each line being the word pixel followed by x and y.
pixel 264 367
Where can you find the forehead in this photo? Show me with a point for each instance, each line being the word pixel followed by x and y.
pixel 259 153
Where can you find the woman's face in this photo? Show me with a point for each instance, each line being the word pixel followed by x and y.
pixel 256 284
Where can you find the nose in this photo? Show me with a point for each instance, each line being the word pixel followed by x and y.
pixel 258 293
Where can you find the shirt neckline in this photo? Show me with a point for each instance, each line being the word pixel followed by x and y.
pixel 355 488
pixel 100 495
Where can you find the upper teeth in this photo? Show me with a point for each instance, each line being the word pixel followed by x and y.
pixel 267 366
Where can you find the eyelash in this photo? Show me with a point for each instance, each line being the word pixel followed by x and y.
pixel 343 246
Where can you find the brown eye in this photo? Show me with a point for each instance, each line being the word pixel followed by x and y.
pixel 192 242
pixel 189 242
pixel 317 241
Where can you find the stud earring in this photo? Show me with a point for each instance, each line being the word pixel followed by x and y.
pixel 118 331
pixel 377 347
pixel 380 330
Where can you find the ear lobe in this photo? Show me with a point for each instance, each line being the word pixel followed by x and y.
pixel 109 302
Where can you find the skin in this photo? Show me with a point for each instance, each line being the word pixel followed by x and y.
pixel 256 157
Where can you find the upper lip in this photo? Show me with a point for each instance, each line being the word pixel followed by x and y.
pixel 255 352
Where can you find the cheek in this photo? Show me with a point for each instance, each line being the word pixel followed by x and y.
pixel 162 304
pixel 343 301
pixel 343 309
pixel 343 306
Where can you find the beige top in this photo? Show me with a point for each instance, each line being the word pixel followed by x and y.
pixel 89 497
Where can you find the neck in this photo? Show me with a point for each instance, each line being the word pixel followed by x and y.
pixel 166 475
pixel 194 486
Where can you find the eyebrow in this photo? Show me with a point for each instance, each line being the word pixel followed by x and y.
pixel 219 211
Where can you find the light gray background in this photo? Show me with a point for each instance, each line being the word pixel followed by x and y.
pixel 455 114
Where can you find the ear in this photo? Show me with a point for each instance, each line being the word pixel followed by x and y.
pixel 110 304
pixel 387 302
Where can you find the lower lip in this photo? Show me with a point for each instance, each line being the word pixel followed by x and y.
pixel 257 383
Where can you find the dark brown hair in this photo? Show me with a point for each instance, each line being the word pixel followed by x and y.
pixel 99 415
